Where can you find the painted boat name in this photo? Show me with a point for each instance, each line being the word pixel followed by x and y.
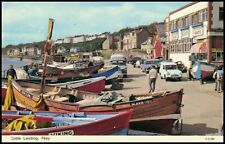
pixel 141 102
pixel 67 132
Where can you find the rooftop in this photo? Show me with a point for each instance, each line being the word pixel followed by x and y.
pixel 190 4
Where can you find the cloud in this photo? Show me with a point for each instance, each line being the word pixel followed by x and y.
pixel 73 18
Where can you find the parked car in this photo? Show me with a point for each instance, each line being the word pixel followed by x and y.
pixel 138 64
pixel 134 60
pixel 120 61
pixel 181 66
pixel 169 70
pixel 147 65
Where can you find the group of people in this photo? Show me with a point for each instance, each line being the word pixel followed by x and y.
pixel 218 76
pixel 31 70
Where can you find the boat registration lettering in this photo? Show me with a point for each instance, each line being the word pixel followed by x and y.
pixel 67 132
pixel 25 93
pixel 140 102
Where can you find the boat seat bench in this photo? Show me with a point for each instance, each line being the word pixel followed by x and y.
pixel 61 99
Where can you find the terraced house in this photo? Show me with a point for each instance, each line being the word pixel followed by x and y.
pixel 134 39
pixel 195 32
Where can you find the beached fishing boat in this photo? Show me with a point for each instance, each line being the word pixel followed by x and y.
pixel 4 89
pixel 26 94
pixel 160 107
pixel 151 112
pixel 110 73
pixel 67 68
pixel 76 123
pixel 95 85
pixel 62 75
pixel 203 70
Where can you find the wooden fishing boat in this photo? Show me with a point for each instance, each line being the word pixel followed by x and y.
pixel 26 95
pixel 151 112
pixel 54 74
pixel 76 123
pixel 67 69
pixel 95 85
pixel 110 72
pixel 61 75
pixel 160 106
pixel 4 89
pixel 203 70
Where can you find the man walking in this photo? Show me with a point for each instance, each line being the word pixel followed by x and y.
pixel 12 72
pixel 152 79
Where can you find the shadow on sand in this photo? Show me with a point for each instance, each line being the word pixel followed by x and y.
pixel 136 75
pixel 198 129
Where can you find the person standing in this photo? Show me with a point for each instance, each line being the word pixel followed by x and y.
pixel 11 72
pixel 218 76
pixel 152 79
pixel 215 78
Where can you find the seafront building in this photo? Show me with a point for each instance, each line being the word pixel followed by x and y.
pixel 195 31
pixel 134 39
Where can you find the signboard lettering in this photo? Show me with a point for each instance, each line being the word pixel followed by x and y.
pixel 198 31
pixel 67 132
pixel 185 33
pixel 174 36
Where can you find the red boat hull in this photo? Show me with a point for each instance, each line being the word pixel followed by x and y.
pixel 109 126
pixel 96 87
pixel 166 105
pixel 4 89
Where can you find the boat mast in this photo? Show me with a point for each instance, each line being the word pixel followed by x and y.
pixel 48 42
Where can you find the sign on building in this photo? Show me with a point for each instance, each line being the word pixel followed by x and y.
pixel 174 36
pixel 185 33
pixel 197 31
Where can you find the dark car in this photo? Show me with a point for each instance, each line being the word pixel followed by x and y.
pixel 181 66
pixel 134 60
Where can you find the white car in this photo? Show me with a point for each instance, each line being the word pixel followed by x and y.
pixel 169 70
pixel 120 61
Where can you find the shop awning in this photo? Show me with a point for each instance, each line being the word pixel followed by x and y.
pixel 199 47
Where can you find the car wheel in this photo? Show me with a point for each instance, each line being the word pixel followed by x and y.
pixel 160 76
pixel 165 77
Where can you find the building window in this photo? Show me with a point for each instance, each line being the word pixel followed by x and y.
pixel 195 18
pixel 217 56
pixel 190 19
pixel 180 23
pixel 204 15
pixel 221 13
pixel 200 16
pixel 176 24
pixel 186 20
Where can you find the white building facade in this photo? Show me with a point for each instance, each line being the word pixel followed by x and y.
pixel 78 39
pixel 190 30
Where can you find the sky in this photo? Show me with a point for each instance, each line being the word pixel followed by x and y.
pixel 26 22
